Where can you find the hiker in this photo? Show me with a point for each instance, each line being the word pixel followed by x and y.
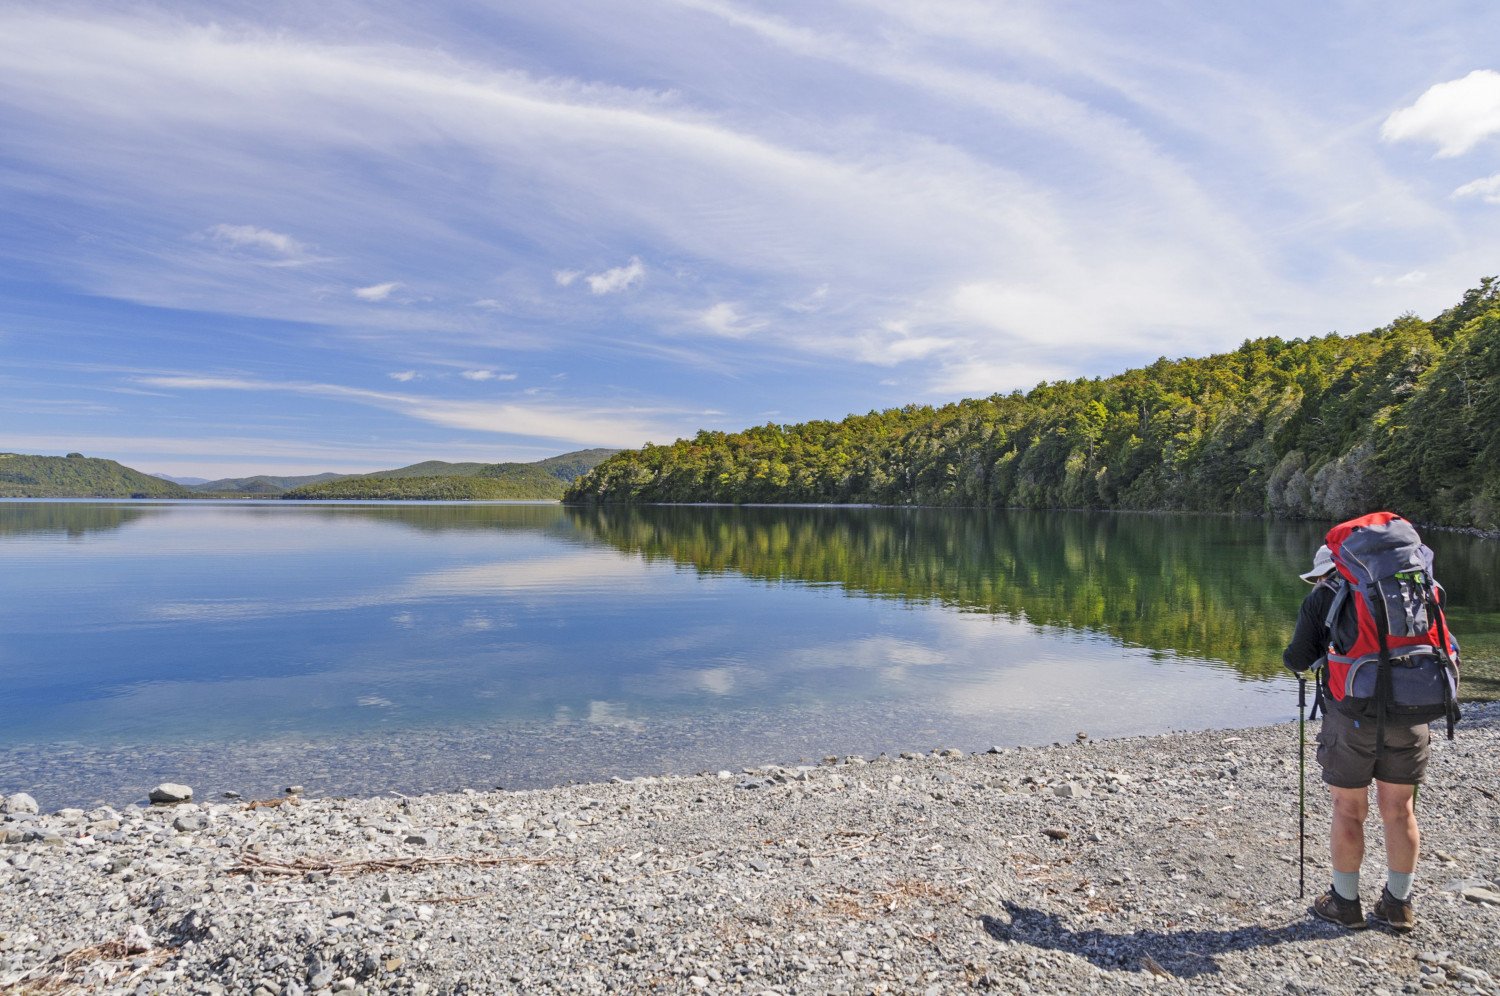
pixel 1350 761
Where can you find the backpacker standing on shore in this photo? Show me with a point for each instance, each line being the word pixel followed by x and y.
pixel 1374 627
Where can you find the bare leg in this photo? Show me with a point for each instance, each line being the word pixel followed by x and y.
pixel 1397 812
pixel 1347 836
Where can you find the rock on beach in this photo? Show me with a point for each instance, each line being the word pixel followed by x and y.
pixel 1100 866
pixel 168 792
pixel 18 803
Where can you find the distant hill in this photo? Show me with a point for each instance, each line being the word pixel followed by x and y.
pixel 522 483
pixel 435 480
pixel 186 482
pixel 78 476
pixel 570 466
pixel 432 468
pixel 262 484
pixel 565 467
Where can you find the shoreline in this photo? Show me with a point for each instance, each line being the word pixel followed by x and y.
pixel 1154 862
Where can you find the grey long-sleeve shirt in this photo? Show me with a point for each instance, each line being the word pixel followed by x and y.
pixel 1310 639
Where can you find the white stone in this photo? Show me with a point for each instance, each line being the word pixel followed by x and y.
pixel 171 792
pixel 19 803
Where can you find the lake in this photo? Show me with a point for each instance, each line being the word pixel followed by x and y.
pixel 366 648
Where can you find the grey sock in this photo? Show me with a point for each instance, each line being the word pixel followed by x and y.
pixel 1398 884
pixel 1346 884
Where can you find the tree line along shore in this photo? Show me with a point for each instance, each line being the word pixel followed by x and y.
pixel 1327 427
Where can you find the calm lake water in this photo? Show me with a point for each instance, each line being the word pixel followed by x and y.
pixel 364 648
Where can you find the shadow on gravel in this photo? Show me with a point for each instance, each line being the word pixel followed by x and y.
pixel 1185 954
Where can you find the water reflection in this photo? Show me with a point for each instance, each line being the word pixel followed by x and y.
pixel 707 635
pixel 1202 587
pixel 74 520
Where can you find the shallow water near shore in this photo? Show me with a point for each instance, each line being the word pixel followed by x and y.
pixel 359 648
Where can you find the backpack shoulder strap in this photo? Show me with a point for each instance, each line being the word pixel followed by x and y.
pixel 1340 595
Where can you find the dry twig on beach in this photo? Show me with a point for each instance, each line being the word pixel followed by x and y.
pixel 251 862
pixel 79 970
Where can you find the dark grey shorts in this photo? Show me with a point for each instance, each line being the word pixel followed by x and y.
pixel 1346 751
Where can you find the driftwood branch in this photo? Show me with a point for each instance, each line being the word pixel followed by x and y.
pixel 251 862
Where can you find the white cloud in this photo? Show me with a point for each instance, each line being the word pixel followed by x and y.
pixel 1487 189
pixel 812 302
pixel 977 379
pixel 596 425
pixel 1411 278
pixel 376 292
pixel 486 375
pixel 251 237
pixel 724 319
pixel 1455 116
pixel 978 188
pixel 618 279
pixel 403 375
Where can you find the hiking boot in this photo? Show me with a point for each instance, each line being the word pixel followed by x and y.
pixel 1335 908
pixel 1394 913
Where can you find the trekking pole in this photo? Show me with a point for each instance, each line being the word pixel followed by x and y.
pixel 1301 787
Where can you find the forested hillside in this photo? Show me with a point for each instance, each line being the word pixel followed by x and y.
pixel 1403 416
pixel 512 482
pixel 23 476
pixel 260 484
pixel 435 480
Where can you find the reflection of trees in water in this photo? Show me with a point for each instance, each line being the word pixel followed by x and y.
pixel 76 520
pixel 1218 588
pixel 541 517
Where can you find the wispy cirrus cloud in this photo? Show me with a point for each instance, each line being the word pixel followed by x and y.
pixel 1487 189
pixel 748 207
pixel 376 292
pixel 249 236
pixel 586 426
pixel 724 319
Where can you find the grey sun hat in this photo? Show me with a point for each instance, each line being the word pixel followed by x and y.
pixel 1322 564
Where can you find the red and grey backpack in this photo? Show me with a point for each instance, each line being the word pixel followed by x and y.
pixel 1393 658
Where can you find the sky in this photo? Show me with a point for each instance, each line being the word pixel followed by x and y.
pixel 279 237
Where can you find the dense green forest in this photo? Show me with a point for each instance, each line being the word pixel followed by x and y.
pixel 75 475
pixel 1326 427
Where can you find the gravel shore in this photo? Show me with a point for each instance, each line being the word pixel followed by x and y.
pixel 1163 863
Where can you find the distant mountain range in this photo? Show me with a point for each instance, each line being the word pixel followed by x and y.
pixel 78 476
pixel 262 484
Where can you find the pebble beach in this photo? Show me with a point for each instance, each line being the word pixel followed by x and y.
pixel 1163 864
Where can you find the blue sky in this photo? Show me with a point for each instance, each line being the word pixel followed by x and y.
pixel 278 237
